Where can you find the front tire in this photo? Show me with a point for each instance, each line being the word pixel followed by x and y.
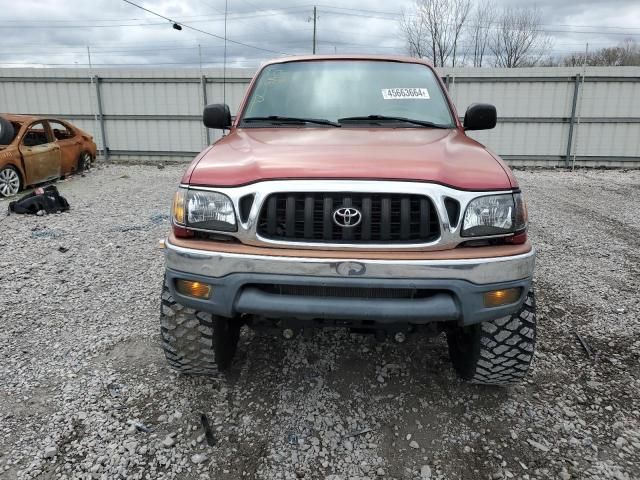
pixel 84 162
pixel 10 181
pixel 497 352
pixel 196 343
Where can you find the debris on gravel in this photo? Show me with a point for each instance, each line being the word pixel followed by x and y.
pixel 50 452
pixel 198 458
pixel 86 392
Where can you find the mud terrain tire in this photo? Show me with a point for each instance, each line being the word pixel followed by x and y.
pixel 497 352
pixel 196 343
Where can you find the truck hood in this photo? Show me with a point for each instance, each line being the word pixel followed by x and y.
pixel 447 157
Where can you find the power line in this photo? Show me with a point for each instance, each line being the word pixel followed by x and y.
pixel 271 11
pixel 253 5
pixel 18 26
pixel 179 21
pixel 493 24
pixel 102 50
pixel 299 43
pixel 202 31
pixel 399 14
pixel 284 10
pixel 133 51
pixel 275 12
pixel 187 25
pixel 85 64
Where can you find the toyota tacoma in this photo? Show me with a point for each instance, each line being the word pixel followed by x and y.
pixel 347 193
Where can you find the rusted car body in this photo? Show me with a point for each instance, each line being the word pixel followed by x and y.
pixel 42 149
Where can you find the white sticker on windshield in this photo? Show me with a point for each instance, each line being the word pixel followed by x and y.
pixel 405 93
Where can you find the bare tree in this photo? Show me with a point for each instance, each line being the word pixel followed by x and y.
pixel 609 57
pixel 415 33
pixel 518 40
pixel 576 60
pixel 626 53
pixel 630 52
pixel 435 30
pixel 480 30
pixel 549 61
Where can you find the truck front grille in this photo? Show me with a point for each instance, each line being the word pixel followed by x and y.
pixel 384 218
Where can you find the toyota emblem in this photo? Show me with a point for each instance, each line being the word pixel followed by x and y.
pixel 347 217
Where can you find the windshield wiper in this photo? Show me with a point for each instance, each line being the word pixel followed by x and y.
pixel 385 118
pixel 280 119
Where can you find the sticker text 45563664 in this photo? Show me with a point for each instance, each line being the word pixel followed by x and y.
pixel 405 93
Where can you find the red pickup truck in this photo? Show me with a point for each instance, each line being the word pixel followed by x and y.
pixel 346 193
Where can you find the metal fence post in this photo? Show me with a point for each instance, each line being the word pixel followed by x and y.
pixel 203 81
pixel 572 121
pixel 105 148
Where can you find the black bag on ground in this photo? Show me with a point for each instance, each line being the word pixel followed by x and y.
pixel 47 199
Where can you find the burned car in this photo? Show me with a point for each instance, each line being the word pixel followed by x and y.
pixel 39 149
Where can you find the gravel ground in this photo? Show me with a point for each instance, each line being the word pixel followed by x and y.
pixel 86 393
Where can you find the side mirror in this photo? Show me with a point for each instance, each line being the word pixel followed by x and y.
pixel 480 116
pixel 217 116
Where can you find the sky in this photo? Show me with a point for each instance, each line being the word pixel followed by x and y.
pixel 57 32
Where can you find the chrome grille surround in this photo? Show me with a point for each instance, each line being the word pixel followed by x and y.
pixel 449 234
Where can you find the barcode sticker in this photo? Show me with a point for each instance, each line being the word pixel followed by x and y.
pixel 405 93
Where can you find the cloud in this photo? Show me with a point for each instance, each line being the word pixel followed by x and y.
pixel 57 33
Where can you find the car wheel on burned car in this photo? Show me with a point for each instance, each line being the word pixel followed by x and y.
pixel 35 150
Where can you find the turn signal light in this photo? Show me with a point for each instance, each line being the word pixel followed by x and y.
pixel 178 207
pixel 517 239
pixel 193 289
pixel 498 298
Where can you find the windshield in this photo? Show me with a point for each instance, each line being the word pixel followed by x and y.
pixel 338 90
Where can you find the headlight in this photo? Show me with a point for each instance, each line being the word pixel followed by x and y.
pixel 204 210
pixel 494 215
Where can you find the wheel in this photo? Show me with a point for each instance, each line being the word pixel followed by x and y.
pixel 497 352
pixel 10 181
pixel 84 162
pixel 196 343
pixel 7 132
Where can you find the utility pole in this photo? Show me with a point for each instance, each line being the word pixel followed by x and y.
pixel 89 57
pixel 93 105
pixel 584 74
pixel 224 65
pixel 315 16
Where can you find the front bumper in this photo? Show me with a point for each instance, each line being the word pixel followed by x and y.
pixel 457 285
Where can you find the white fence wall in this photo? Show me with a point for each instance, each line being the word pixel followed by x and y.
pixel 537 116
pixel 156 114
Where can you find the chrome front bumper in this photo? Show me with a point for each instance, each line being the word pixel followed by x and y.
pixel 477 271
pixel 240 285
